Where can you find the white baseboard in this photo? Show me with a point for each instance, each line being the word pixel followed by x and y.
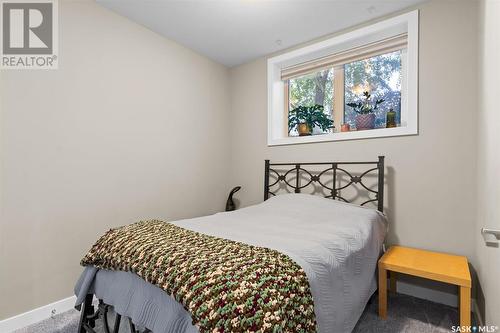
pixel 477 313
pixel 432 295
pixel 437 297
pixel 31 317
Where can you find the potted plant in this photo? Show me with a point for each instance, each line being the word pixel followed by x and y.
pixel 391 119
pixel 365 109
pixel 305 118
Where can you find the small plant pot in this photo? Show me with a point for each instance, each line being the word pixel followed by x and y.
pixel 391 119
pixel 345 128
pixel 304 129
pixel 365 121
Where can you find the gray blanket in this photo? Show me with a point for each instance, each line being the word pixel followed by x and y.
pixel 336 244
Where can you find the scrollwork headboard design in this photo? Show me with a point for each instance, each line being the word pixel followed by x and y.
pixel 302 176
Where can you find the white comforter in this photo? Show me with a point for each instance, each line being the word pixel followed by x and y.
pixel 337 245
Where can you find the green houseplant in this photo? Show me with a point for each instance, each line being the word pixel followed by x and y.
pixel 304 118
pixel 365 109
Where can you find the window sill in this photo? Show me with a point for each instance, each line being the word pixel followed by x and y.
pixel 343 136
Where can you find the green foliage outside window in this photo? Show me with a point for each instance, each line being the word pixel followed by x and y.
pixel 312 89
pixel 380 75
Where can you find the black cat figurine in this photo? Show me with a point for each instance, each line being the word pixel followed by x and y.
pixel 230 203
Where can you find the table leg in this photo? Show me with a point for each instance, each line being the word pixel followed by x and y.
pixel 382 292
pixel 464 306
pixel 392 280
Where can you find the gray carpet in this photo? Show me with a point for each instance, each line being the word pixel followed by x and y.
pixel 405 314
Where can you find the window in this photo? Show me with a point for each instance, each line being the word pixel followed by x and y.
pixel 311 89
pixel 381 77
pixel 365 81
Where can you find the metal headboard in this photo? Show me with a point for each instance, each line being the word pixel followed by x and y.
pixel 337 169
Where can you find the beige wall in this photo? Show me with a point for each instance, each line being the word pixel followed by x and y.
pixel 430 177
pixel 488 258
pixel 131 126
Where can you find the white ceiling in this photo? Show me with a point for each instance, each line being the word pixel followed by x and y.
pixel 233 32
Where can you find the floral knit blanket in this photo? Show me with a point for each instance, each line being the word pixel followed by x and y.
pixel 226 286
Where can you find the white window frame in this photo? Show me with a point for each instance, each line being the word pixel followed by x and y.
pixel 277 108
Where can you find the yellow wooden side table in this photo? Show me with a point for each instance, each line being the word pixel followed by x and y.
pixel 426 264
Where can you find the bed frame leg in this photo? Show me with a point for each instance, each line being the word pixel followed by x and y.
pixel 87 309
pixel 132 326
pixel 88 317
pixel 116 326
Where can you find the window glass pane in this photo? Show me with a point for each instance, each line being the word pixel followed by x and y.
pixel 381 77
pixel 312 89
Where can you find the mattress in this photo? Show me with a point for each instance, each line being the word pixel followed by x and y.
pixel 337 244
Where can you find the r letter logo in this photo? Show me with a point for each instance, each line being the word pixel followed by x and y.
pixel 29 34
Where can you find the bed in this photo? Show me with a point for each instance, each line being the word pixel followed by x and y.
pixel 335 242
